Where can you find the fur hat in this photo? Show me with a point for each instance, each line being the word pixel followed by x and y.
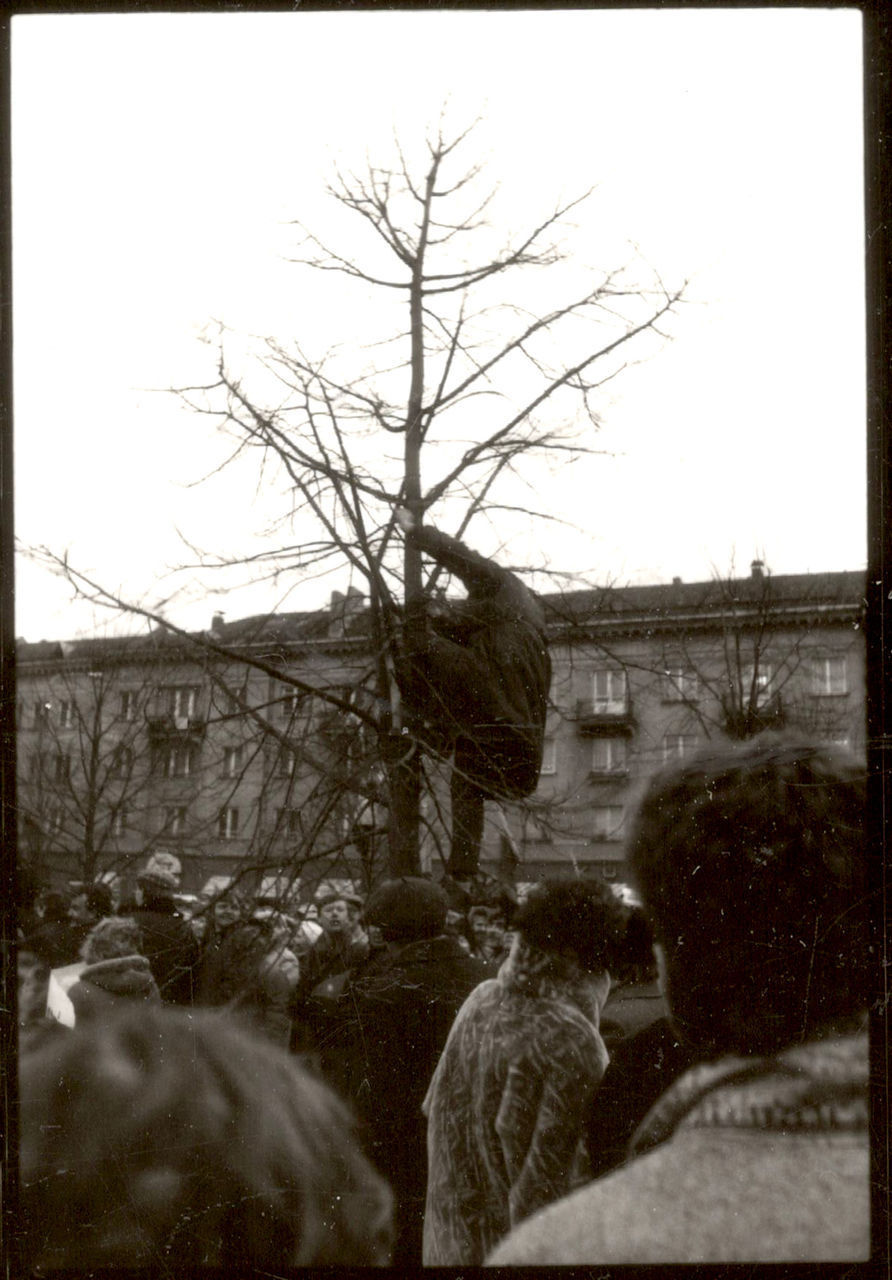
pixel 162 871
pixel 407 909
pixel 329 896
pixel 111 938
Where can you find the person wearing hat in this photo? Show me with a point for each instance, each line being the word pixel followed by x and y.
pixel 399 1009
pixel 342 945
pixel 169 944
pixel 116 972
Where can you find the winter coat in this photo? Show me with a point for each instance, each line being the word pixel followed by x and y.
pixel 629 1009
pixel 506 1107
pixel 331 956
pixel 110 985
pixel 397 1014
pixel 56 943
pixel 642 1066
pixel 242 970
pixel 500 698
pixel 742 1160
pixel 170 947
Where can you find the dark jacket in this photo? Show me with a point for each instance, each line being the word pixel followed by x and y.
pixel 238 970
pixel 503 626
pixel 170 947
pixel 398 1015
pixel 629 1009
pixel 56 943
pixel 641 1068
pixel 109 985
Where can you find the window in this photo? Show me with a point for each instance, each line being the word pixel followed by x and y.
pixel 232 761
pixel 128 707
pixel 678 746
pixel 286 699
pixel 609 691
pixel 175 821
pixel 66 715
pixel 228 823
pixel 609 755
pixel 120 822
pixel 286 762
pixel 41 713
pixel 756 686
pixel 36 765
pixel 828 676
pixel 177 761
pixel 607 821
pixel 680 685
pixel 122 762
pixel 288 822
pixel 180 701
pixel 55 819
pixel 61 767
pixel 537 831
pixel 549 757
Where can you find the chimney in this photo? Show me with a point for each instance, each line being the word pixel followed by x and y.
pixel 217 624
pixel 676 582
pixel 344 607
pixel 757 570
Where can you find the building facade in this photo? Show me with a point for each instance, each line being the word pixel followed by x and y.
pixel 269 769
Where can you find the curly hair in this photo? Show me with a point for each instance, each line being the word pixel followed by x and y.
pixel 114 936
pixel 582 917
pixel 162 1135
pixel 752 868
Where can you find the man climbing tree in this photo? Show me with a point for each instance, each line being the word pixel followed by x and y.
pixel 477 676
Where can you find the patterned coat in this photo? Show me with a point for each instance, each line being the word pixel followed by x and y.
pixel 507 1104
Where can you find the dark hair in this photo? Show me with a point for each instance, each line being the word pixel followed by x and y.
pixel 55 905
pixel 751 865
pixel 99 899
pixel 214 1146
pixel 578 916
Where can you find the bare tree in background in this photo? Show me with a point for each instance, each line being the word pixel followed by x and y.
pixel 474 373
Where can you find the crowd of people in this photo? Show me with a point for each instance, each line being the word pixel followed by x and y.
pixel 441 1075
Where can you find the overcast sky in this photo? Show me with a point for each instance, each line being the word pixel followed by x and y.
pixel 158 160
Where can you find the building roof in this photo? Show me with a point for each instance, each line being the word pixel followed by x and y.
pixel 346 621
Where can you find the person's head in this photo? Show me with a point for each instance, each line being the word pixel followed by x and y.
pixel 338 912
pixel 111 938
pixel 165 1134
pixel 92 903
pixel 54 906
pixel 488 924
pixel 577 926
pixel 751 865
pixel 228 909
pixel 160 877
pixel 407 909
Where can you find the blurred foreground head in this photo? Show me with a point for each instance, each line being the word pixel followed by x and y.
pixel 171 1138
pixel 752 868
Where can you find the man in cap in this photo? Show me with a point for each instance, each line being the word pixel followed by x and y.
pixel 400 1009
pixel 342 945
pixel 169 944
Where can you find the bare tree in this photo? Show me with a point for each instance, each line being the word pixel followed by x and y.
pixel 464 379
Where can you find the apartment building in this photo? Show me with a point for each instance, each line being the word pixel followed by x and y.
pixel 130 744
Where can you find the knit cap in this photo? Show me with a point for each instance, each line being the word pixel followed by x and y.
pixel 162 871
pixel 110 938
pixel 407 909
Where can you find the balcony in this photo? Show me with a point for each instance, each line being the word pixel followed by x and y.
pixel 593 718
pixel 164 727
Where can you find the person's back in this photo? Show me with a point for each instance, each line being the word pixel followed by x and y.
pixel 752 870
pixel 507 1103
pixel 398 1012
